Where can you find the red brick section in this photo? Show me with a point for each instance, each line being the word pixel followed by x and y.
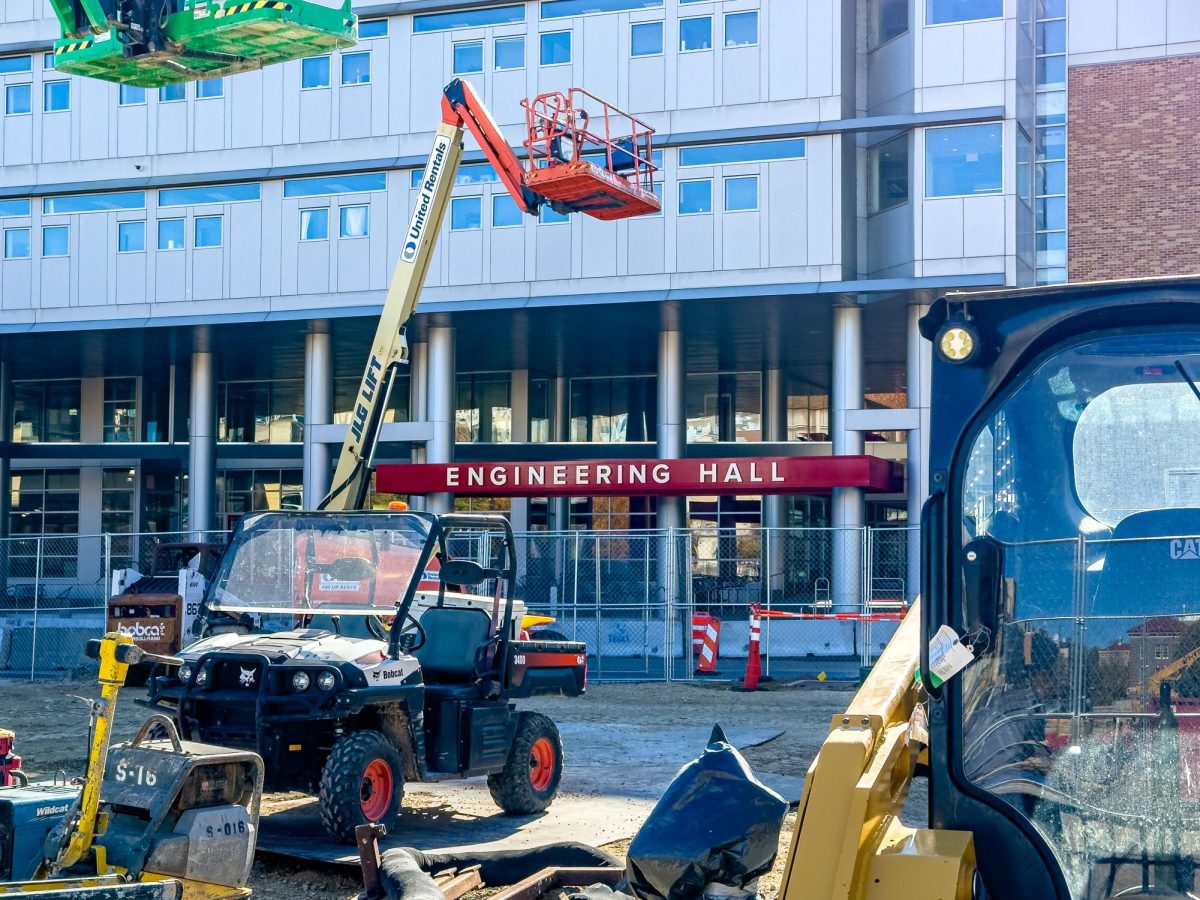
pixel 1134 169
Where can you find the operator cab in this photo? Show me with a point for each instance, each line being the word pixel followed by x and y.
pixel 1065 459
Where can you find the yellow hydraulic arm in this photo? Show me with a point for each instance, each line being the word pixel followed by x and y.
pixel 849 841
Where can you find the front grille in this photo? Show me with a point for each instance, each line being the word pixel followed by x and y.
pixel 237 675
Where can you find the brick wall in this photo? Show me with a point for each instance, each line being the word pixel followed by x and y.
pixel 1133 147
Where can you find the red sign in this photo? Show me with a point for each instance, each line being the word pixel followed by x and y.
pixel 643 477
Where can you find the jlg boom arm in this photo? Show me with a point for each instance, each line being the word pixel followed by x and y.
pixel 461 110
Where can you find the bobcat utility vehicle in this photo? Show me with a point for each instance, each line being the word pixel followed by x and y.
pixel 323 647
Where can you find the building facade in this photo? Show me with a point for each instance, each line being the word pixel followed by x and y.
pixel 190 276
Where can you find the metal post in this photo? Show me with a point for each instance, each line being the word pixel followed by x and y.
pixel 575 602
pixel 847 503
pixel 646 617
pixel 670 445
pixel 318 410
pixel 918 382
pixel 596 604
pixel 202 436
pixel 37 590
pixel 766 656
pixel 441 377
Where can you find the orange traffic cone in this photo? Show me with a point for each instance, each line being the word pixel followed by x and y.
pixel 754 660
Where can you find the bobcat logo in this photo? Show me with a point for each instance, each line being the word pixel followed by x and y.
pixel 1185 548
pixel 246 678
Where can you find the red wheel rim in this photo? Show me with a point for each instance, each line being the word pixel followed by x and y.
pixel 375 790
pixel 541 764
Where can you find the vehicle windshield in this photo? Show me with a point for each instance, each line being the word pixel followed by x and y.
pixel 1084 711
pixel 343 564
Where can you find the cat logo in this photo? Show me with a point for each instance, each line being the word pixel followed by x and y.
pixel 1185 548
pixel 246 678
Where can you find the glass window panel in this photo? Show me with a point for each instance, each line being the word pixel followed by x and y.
pixel 1052 142
pixel 555 48
pixel 509 53
pixel 724 407
pixel 1024 167
pixel 170 234
pixel 83 203
pixel 211 87
pixel 372 28
pixel 11 64
pixel 1051 107
pixel 695 196
pixel 17 99
pixel 217 193
pixel 131 95
pixel 56 96
pixel 547 215
pixel 56 240
pixel 741 193
pixel 557 9
pixel 1052 240
pixel 754 151
pixel 208 231
pixel 48 61
pixel 469 18
pixel 1052 213
pixel 963 160
pixel 741 29
pixel 695 34
pixel 314 224
pixel 171 93
pixel 335 184
pixel 1052 37
pixel 314 72
pixel 466 213
pixel 505 212
pixel 355 221
pixel 1052 178
pixel 645 38
pixel 889 173
pixel 889 19
pixel 1051 276
pixel 938 12
pixel 64 479
pixel 131 237
pixel 356 68
pixel 16 243
pixel 1051 9
pixel 468 57
pixel 1052 71
pixel 10 208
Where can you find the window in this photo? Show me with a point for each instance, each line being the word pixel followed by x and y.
pixel 695 196
pixel 172 93
pixel 56 96
pixel 116 503
pixel 469 18
pixel 468 57
pixel 170 234
pixel 345 398
pixel 216 193
pixel 16 243
pixel 356 68
pixel 1052 248
pixel 548 215
pixel 741 193
pixel 211 87
pixel 1024 168
pixel 724 406
pixel 355 222
pixel 18 99
pixel 335 184
pixel 48 61
pixel 756 151
pixel 613 410
pixel 939 12
pixel 131 237
pixel 46 411
pixel 474 173
pixel 120 410
pixel 888 19
pixel 9 208
pixel 695 34
pixel 556 48
pixel 314 72
pixel 646 39
pixel 483 411
pixel 131 95
pixel 505 212
pixel 559 9
pixel 372 28
pixel 741 29
pixel 56 240
pixel 253 489
pixel 466 213
pixel 85 203
pixel 963 160
pixel 208 231
pixel 12 64
pixel 509 53
pixel 314 224
pixel 45 501
pixel 888 173
pixel 261 412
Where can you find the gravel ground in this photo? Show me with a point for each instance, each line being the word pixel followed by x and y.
pixel 51 727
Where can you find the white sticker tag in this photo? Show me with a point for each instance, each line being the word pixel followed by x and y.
pixel 947 656
pixel 918 726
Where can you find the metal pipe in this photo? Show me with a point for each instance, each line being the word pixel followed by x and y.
pixel 919 363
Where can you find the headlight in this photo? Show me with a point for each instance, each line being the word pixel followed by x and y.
pixel 202 677
pixel 300 681
pixel 326 681
pixel 185 674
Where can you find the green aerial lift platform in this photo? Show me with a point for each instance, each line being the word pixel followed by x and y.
pixel 150 43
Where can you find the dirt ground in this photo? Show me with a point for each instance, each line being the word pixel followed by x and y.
pixel 51 726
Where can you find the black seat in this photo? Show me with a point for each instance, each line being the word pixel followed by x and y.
pixel 453 636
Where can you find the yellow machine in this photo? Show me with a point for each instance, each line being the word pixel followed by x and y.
pixel 156 817
pixel 1060 532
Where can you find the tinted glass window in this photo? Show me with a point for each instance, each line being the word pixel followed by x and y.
pixel 17 99
pixel 355 222
pixel 169 93
pixel 468 57
pixel 56 96
pixel 56 240
pixel 695 34
pixel 208 231
pixel 83 203
pixel 314 224
pixel 741 29
pixel 963 159
pixel 131 237
pixel 356 68
pixel 505 211
pixel 469 18
pixel 372 28
pixel 757 151
pixel 466 213
pixel 510 53
pixel 314 72
pixel 217 193
pixel 170 234
pixel 16 243
pixel 14 208
pixel 741 193
pixel 695 196
pixel 335 184
pixel 646 38
pixel 556 48
pixel 938 12
pixel 11 64
pixel 555 9
pixel 213 87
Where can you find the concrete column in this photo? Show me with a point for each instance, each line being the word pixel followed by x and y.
pixel 671 436
pixel 441 399
pixel 560 507
pixel 920 358
pixel 418 405
pixel 848 512
pixel 774 506
pixel 318 410
pixel 202 436
pixel 6 422
pixel 518 511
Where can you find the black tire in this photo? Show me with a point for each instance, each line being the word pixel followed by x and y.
pixel 529 783
pixel 345 785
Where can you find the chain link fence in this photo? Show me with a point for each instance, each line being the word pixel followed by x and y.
pixel 631 596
